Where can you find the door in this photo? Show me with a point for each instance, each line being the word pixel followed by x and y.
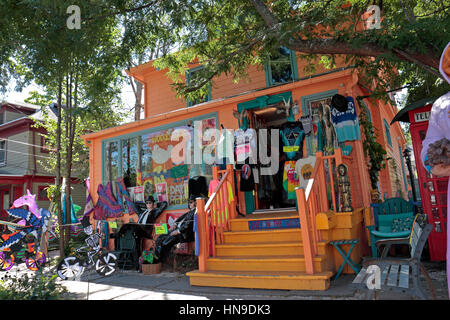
pixel 4 202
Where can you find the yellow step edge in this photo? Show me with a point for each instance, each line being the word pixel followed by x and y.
pixel 265 244
pixel 261 274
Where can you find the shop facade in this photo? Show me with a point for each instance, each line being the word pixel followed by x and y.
pixel 150 154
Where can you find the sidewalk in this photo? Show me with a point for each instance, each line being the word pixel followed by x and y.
pixel 132 285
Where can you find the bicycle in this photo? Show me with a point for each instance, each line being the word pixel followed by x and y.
pixel 23 251
pixel 86 257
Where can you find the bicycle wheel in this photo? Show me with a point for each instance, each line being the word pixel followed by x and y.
pixel 35 261
pixel 6 261
pixel 106 264
pixel 70 268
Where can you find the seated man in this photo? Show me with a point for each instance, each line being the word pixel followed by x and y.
pixel 152 212
pixel 182 231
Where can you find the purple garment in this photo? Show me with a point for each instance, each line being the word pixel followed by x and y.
pixel 438 128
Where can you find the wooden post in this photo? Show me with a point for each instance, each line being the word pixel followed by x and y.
pixel 230 179
pixel 304 227
pixel 203 245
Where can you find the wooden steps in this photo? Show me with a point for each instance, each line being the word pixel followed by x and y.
pixel 264 259
pixel 249 249
pixel 261 280
pixel 263 263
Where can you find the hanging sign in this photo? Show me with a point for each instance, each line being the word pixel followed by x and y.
pixel 161 228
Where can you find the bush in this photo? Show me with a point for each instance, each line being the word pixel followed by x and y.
pixel 37 286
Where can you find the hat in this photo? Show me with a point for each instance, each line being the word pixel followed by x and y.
pixel 339 102
pixel 150 199
pixel 192 197
pixel 85 222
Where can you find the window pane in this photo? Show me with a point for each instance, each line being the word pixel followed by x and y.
pixel 130 161
pixel 2 151
pixel 280 67
pixel 112 161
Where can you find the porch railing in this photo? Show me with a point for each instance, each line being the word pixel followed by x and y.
pixel 313 200
pixel 213 218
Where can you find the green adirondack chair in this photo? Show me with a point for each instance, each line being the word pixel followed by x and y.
pixel 393 219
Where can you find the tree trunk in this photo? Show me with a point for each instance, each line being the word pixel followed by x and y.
pixel 58 170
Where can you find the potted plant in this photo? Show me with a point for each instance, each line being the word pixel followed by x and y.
pixel 149 264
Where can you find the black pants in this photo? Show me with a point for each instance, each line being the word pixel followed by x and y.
pixel 164 243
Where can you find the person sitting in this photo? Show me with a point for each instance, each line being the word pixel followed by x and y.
pixel 181 231
pixel 152 212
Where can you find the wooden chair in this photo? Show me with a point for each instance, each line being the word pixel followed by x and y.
pixel 398 274
pixel 389 218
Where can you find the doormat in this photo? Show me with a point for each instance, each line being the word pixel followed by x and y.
pixel 274 224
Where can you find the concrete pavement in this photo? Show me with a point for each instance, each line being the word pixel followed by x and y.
pixel 132 285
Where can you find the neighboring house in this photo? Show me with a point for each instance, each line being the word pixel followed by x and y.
pixel 22 145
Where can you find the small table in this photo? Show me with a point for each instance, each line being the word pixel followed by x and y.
pixel 347 260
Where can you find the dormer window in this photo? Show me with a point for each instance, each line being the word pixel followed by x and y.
pixel 2 152
pixel 191 79
pixel 281 67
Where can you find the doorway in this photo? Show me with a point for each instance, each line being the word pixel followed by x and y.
pixel 277 191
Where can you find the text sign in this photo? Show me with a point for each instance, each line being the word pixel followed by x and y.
pixel 161 228
pixel 422 116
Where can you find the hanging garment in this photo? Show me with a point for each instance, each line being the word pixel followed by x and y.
pixel 123 194
pixel 198 187
pixel 346 123
pixel 247 179
pixel 245 146
pixel 304 169
pixel 290 179
pixel 107 206
pixel 73 217
pixel 89 206
pixel 320 136
pixel 292 140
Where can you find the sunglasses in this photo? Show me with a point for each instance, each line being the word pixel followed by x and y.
pixel 149 202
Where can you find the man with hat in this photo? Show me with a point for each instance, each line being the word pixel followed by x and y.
pixel 181 231
pixel 152 212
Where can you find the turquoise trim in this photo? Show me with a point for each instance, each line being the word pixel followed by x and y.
pixel 388 132
pixel 305 111
pixel 294 69
pixel 264 101
pixel 144 132
pixel 189 103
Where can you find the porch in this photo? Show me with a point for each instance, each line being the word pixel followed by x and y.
pixel 286 248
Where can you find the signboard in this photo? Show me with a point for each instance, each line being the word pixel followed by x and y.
pixel 422 116
pixel 161 228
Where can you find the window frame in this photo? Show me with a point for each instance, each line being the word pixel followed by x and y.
pixel 294 69
pixel 189 102
pixel 388 133
pixel 3 163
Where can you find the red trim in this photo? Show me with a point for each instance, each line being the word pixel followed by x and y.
pixel 16 108
pixel 15 127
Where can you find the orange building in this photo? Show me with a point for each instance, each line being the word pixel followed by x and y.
pixel 237 251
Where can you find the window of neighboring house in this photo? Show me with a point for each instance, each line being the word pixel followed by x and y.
pixel 42 193
pixel 191 79
pixel 2 118
pixel 44 145
pixel 388 132
pixel 2 152
pixel 281 68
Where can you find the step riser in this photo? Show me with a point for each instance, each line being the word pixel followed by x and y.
pixel 257 237
pixel 261 265
pixel 269 251
pixel 241 224
pixel 258 283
